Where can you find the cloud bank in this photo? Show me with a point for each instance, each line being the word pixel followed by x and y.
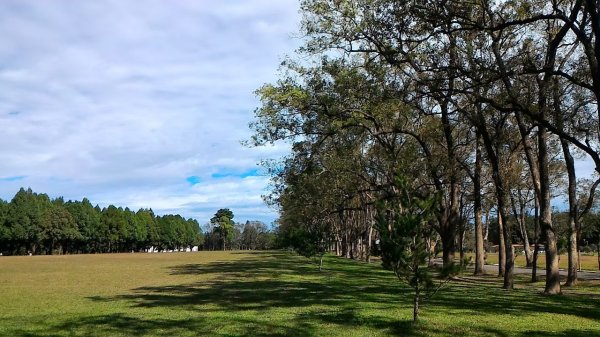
pixel 139 103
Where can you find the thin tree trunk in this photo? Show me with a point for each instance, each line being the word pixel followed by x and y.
pixel 520 216
pixel 479 250
pixel 501 246
pixel 536 234
pixel 486 229
pixel 461 239
pixel 598 252
pixel 369 239
pixel 416 303
pixel 510 256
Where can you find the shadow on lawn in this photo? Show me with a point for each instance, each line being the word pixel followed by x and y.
pixel 263 283
pixel 124 325
pixel 236 302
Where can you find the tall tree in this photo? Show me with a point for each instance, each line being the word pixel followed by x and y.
pixel 223 224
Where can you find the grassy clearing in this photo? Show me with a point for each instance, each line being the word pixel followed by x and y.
pixel 266 294
pixel 588 262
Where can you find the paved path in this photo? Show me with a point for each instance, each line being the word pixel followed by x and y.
pixel 582 275
pixel 493 269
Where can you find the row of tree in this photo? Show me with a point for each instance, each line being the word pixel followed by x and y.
pixel 223 233
pixel 35 224
pixel 480 107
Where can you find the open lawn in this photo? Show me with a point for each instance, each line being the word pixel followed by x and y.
pixel 266 294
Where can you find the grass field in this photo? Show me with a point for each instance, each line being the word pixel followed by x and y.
pixel 266 294
pixel 588 262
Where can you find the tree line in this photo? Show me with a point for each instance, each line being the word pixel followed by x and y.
pixel 33 223
pixel 480 109
pixel 223 233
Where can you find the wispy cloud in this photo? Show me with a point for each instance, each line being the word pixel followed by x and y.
pixel 226 174
pixel 12 179
pixel 124 102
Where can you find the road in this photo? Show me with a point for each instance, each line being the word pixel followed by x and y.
pixel 493 269
pixel 582 275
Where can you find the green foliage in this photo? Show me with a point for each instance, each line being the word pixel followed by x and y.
pixel 58 226
pixel 403 223
pixel 223 225
pixel 32 223
pixel 308 241
pixel 255 235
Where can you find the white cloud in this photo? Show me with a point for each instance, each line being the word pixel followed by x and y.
pixel 120 101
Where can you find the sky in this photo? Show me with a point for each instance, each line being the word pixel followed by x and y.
pixel 140 103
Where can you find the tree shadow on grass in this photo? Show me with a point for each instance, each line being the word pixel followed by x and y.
pixel 273 264
pixel 566 333
pixel 492 299
pixel 259 284
pixel 126 325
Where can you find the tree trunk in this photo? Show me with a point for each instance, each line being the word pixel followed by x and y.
pixel 501 246
pixel 447 248
pixel 552 272
pixel 486 229
pixel 448 227
pixel 510 256
pixel 598 252
pixel 447 224
pixel 572 188
pixel 520 216
pixel 345 246
pixel 526 247
pixel 536 246
pixel 461 239
pixel 369 239
pixel 416 301
pixel 479 250
pixel 573 255
pixel 552 278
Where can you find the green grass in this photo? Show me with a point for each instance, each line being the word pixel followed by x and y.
pixel 266 294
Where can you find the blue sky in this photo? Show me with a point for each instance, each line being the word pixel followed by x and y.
pixel 140 103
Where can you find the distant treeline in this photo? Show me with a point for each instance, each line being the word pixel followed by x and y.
pixel 32 223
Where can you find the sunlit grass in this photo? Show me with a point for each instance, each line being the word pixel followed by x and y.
pixel 266 294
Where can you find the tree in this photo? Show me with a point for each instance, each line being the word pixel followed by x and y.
pixel 223 224
pixel 146 218
pixel 114 229
pixel 5 233
pixel 380 81
pixel 402 221
pixel 58 227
